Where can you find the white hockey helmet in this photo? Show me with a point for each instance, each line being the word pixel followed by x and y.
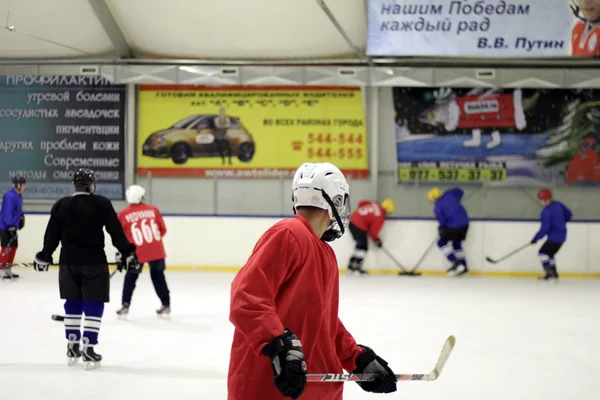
pixel 322 185
pixel 135 194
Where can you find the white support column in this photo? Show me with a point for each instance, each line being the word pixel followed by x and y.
pixel 130 135
pixel 373 134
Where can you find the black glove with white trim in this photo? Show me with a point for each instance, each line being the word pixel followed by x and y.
pixel 41 263
pixel 287 362
pixel 370 363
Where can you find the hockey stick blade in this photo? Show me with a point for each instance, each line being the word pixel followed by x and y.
pixel 491 261
pixel 432 376
pixel 56 317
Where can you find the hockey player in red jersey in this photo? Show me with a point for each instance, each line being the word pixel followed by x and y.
pixel 284 302
pixel 585 36
pixel 367 220
pixel 144 225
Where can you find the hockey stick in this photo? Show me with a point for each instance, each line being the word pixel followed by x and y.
pixel 56 317
pixel 395 261
pixel 418 264
pixel 432 376
pixel 515 251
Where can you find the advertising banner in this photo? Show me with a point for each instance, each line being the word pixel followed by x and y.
pixel 52 125
pixel 249 132
pixel 483 28
pixel 504 136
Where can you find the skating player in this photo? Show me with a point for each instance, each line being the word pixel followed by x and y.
pixel 367 220
pixel 77 223
pixel 284 302
pixel 585 36
pixel 453 226
pixel 144 225
pixel 11 220
pixel 554 216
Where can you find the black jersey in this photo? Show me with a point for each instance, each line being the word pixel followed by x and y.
pixel 77 222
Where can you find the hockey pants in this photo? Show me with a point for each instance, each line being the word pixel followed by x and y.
pixel 157 274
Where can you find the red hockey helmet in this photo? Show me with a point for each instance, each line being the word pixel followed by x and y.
pixel 544 194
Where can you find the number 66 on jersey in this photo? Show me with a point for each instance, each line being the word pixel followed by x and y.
pixel 144 225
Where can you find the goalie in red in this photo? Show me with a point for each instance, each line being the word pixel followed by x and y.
pixel 144 225
pixel 284 302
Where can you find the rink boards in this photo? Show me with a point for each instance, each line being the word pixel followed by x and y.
pixel 207 243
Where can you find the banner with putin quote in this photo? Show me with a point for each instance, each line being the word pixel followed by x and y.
pixel 249 132
pixel 483 28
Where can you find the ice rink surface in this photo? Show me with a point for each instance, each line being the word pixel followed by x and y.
pixel 516 338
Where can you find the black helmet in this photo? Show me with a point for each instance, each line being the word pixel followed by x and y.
pixel 83 180
pixel 19 180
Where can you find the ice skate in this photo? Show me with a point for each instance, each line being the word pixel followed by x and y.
pixel 73 353
pixel 164 312
pixel 123 312
pixel 90 358
pixel 457 269
pixel 475 140
pixel 550 276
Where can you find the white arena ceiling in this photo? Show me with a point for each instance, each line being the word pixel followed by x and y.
pixel 180 29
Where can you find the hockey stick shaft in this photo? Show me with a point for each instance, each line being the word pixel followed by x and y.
pixel 432 376
pixel 394 259
pixel 512 253
pixel 418 264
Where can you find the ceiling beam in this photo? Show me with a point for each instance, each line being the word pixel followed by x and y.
pixel 112 29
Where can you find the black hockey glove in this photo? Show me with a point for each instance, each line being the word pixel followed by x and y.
pixel 131 263
pixel 287 362
pixel 41 263
pixel 22 222
pixel 119 262
pixel 12 233
pixel 370 363
pixel 533 241
pixel 378 242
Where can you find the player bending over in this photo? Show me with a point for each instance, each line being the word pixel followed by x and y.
pixel 144 225
pixel 284 302
pixel 367 219
pixel 11 220
pixel 453 223
pixel 77 223
pixel 554 216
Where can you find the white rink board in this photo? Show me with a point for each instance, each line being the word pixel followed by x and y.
pixel 217 242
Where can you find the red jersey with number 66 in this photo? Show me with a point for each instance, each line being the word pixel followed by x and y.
pixel 144 226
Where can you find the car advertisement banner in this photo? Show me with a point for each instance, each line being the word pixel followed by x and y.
pixel 504 136
pixel 52 125
pixel 483 28
pixel 249 132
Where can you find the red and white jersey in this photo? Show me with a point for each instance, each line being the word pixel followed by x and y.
pixel 291 280
pixel 144 226
pixel 369 217
pixel 585 39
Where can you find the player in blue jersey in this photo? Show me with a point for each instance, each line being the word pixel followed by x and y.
pixel 453 223
pixel 554 216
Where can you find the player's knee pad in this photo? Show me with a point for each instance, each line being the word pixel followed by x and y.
pixel 544 259
pixel 359 253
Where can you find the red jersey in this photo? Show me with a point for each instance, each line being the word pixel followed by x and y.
pixel 144 226
pixel 291 280
pixel 584 167
pixel 369 217
pixel 585 39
